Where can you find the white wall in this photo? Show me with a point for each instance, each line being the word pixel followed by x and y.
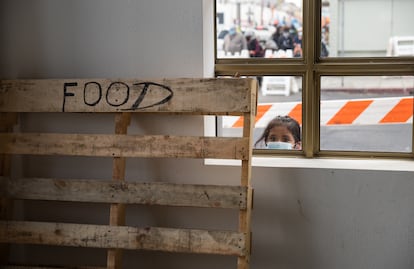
pixel 364 27
pixel 302 218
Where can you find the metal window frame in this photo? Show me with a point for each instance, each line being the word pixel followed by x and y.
pixel 311 67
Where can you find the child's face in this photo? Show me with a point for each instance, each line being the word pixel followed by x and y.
pixel 282 134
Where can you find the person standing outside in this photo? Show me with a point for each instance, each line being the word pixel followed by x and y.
pixel 253 45
pixel 285 41
pixel 282 132
pixel 234 41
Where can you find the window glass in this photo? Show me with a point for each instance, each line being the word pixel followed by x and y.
pixel 367 28
pixel 258 29
pixel 279 115
pixel 366 113
pixel 357 113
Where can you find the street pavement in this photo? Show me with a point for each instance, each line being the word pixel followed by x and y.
pixel 339 88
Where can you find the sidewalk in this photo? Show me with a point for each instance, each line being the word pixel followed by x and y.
pixel 380 84
pixel 350 88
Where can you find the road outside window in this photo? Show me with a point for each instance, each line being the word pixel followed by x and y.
pixel 367 113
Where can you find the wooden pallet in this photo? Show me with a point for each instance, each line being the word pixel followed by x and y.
pixel 233 96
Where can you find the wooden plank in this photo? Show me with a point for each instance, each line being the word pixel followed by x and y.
pixel 102 236
pixel 243 262
pixel 49 267
pixel 95 191
pixel 117 211
pixel 225 96
pixel 7 122
pixel 124 145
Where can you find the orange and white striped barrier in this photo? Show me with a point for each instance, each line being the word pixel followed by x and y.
pixel 333 112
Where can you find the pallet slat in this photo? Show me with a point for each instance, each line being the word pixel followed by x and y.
pixel 95 191
pixel 123 237
pixel 186 95
pixel 49 267
pixel 101 145
pixel 246 173
pixel 117 211
pixel 7 121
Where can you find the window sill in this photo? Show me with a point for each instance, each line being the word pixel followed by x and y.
pixel 323 163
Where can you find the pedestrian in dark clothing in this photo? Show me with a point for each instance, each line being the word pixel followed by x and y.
pixel 285 41
pixel 253 45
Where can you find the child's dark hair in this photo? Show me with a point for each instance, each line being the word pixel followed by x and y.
pixel 291 124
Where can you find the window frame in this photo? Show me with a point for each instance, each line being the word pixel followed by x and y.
pixel 311 68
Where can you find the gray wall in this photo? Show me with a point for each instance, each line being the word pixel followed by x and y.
pixel 302 218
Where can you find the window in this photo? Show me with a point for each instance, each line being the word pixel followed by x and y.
pixel 342 69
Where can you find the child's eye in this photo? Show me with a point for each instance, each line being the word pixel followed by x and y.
pixel 285 139
pixel 272 138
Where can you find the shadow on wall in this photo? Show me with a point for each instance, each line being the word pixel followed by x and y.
pixel 280 224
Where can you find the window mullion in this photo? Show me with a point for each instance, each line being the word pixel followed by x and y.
pixel 311 87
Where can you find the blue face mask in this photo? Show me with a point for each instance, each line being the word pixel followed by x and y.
pixel 279 145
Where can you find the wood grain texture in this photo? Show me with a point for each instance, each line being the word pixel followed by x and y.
pixel 101 145
pixel 224 96
pixel 95 191
pixel 49 267
pixel 117 211
pixel 122 237
pixel 7 122
pixel 243 262
pixel 232 96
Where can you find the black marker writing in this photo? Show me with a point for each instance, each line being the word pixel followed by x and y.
pixel 116 86
pixel 91 86
pixel 144 91
pixel 66 93
pixel 117 94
